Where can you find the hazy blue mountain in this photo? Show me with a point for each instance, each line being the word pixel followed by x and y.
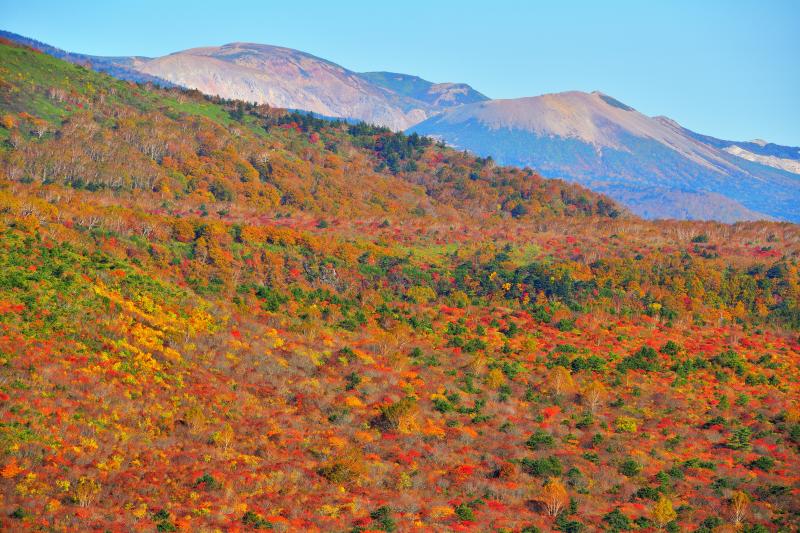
pixel 436 94
pixel 653 165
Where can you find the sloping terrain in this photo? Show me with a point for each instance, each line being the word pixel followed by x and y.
pixel 437 95
pixel 119 67
pixel 610 147
pixel 221 316
pixel 282 77
pixel 653 165
pixel 760 151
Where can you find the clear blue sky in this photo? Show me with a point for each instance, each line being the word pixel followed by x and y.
pixel 729 68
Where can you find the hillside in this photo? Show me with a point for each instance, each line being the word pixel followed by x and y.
pixel 606 145
pixel 221 316
pixel 119 67
pixel 650 164
pixel 282 77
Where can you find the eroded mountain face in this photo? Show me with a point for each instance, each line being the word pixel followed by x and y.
pixel 651 164
pixel 287 78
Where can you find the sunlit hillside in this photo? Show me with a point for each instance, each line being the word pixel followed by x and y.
pixel 216 316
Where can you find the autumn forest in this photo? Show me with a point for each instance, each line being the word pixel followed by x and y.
pixel 222 316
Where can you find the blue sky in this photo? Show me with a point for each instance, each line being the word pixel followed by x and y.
pixel 725 68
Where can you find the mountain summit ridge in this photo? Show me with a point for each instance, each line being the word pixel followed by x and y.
pixel 602 143
pixel 284 77
pixel 280 77
pixel 654 165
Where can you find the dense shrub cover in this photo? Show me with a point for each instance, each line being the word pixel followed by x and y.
pixel 220 316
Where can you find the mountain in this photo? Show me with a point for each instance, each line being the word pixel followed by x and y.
pixel 382 168
pixel 220 316
pixel 438 95
pixel 760 151
pixel 285 78
pixel 653 165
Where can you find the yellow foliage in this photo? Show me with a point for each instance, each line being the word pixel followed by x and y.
pixel 223 437
pixel 495 378
pixel 89 443
pixel 8 121
pixel 140 511
pixel 31 486
pixel 113 463
pixel 663 513
pixel 476 365
pixel 593 394
pixel 353 401
pixel 364 436
pixel 554 495
pixel 330 510
pixel 560 380
pixel 337 442
pixel 739 503
pixel 625 424
pixel 249 460
pixel 441 512
pixel 421 295
pixel 404 481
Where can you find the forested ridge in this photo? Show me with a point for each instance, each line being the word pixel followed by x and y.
pixel 222 316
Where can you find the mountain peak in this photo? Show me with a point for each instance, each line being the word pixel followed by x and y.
pixel 288 78
pixel 652 164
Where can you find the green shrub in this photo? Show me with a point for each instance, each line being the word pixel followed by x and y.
pixel 625 424
pixel 670 348
pixel 207 482
pixel 740 438
pixel 729 359
pixel 254 521
pixel 617 521
pixel 630 468
pixel 383 516
pixel 764 463
pixel 545 467
pixel 647 493
pixel 539 440
pixel 565 324
pixel 464 512
pixel 646 358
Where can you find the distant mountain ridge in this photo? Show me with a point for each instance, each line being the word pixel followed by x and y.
pixel 282 77
pixel 435 94
pixel 651 164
